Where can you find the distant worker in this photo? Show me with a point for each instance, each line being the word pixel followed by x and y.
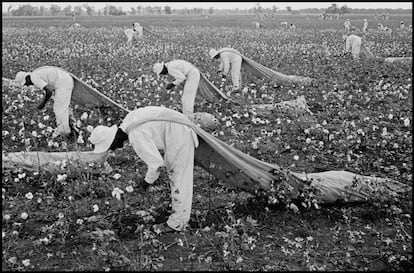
pixel 365 26
pixel 353 44
pixel 347 25
pixel 182 71
pixel 73 17
pixel 258 25
pixel 292 26
pixel 402 26
pixel 229 61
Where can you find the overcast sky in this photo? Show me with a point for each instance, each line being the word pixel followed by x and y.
pixel 222 5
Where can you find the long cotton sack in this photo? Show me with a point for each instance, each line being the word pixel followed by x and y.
pixel 240 170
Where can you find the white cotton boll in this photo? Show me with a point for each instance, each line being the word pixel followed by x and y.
pixel 95 208
pixel 26 262
pixel 89 128
pixel 46 117
pixel 29 195
pixel 34 133
pixel 296 157
pixel 129 189
pixel 84 116
pixel 32 122
pixel 406 122
pixel 61 177
pixel 117 176
pixel 24 215
pixel 390 116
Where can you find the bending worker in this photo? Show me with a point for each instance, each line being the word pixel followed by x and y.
pixel 147 137
pixel 182 71
pixel 228 58
pixel 52 79
pixel 354 44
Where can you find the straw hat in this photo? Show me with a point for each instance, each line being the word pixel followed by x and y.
pixel 21 77
pixel 102 137
pixel 158 67
pixel 213 53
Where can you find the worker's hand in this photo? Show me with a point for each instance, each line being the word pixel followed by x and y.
pixel 170 86
pixel 41 106
pixel 142 184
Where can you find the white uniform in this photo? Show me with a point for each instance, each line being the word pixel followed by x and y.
pixel 184 71
pixel 257 25
pixel 178 143
pixel 234 60
pixel 62 82
pixel 347 25
pixel 139 30
pixel 365 26
pixel 353 43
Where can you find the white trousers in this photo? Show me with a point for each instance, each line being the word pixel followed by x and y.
pixel 61 105
pixel 235 73
pixel 190 91
pixel 179 160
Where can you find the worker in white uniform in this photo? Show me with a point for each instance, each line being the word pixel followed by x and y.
pixel 353 43
pixel 182 71
pixel 53 80
pixel 229 60
pixel 138 29
pixel 365 26
pixel 402 26
pixel 347 25
pixel 178 142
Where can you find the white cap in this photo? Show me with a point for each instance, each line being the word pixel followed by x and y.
pixel 21 77
pixel 365 19
pixel 158 67
pixel 102 137
pixel 213 53
pixel 136 24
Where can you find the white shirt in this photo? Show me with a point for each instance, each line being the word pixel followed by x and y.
pixel 351 40
pixel 43 76
pixel 227 58
pixel 139 30
pixel 150 137
pixel 179 70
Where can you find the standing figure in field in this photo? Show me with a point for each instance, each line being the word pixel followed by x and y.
pixel 402 26
pixel 182 71
pixel 73 17
pixel 292 26
pixel 52 80
pixel 353 44
pixel 365 26
pixel 147 137
pixel 284 24
pixel 347 25
pixel 229 61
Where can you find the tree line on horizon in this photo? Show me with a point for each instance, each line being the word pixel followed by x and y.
pixel 85 10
